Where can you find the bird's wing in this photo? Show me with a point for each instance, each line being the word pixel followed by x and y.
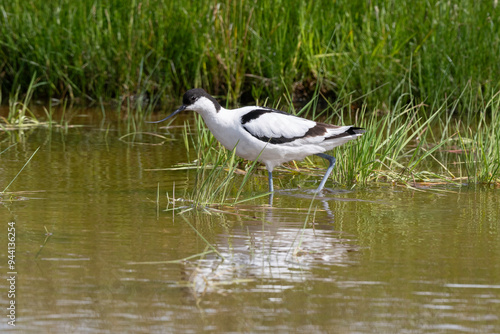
pixel 274 126
pixel 278 127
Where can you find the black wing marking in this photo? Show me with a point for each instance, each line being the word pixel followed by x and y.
pixel 256 113
pixel 352 131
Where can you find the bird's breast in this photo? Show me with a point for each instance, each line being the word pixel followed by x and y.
pixel 223 129
pixel 230 133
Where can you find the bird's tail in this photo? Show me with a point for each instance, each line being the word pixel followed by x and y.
pixel 353 130
pixel 347 131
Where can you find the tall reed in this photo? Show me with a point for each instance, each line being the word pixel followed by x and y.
pixel 154 50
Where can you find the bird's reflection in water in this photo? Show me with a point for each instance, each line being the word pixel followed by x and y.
pixel 281 248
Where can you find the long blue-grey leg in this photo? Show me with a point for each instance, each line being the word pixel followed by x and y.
pixel 270 175
pixel 331 160
pixel 271 189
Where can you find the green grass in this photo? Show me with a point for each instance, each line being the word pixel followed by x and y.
pixel 4 191
pixel 421 77
pixel 415 145
pixel 152 51
pixel 20 117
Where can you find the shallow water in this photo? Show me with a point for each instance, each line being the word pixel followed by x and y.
pixel 93 250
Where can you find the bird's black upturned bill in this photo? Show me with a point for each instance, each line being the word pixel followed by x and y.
pixel 171 115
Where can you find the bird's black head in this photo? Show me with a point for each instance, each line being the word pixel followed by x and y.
pixel 189 103
pixel 192 95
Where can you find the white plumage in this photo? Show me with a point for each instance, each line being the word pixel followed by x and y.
pixel 276 124
pixel 267 135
